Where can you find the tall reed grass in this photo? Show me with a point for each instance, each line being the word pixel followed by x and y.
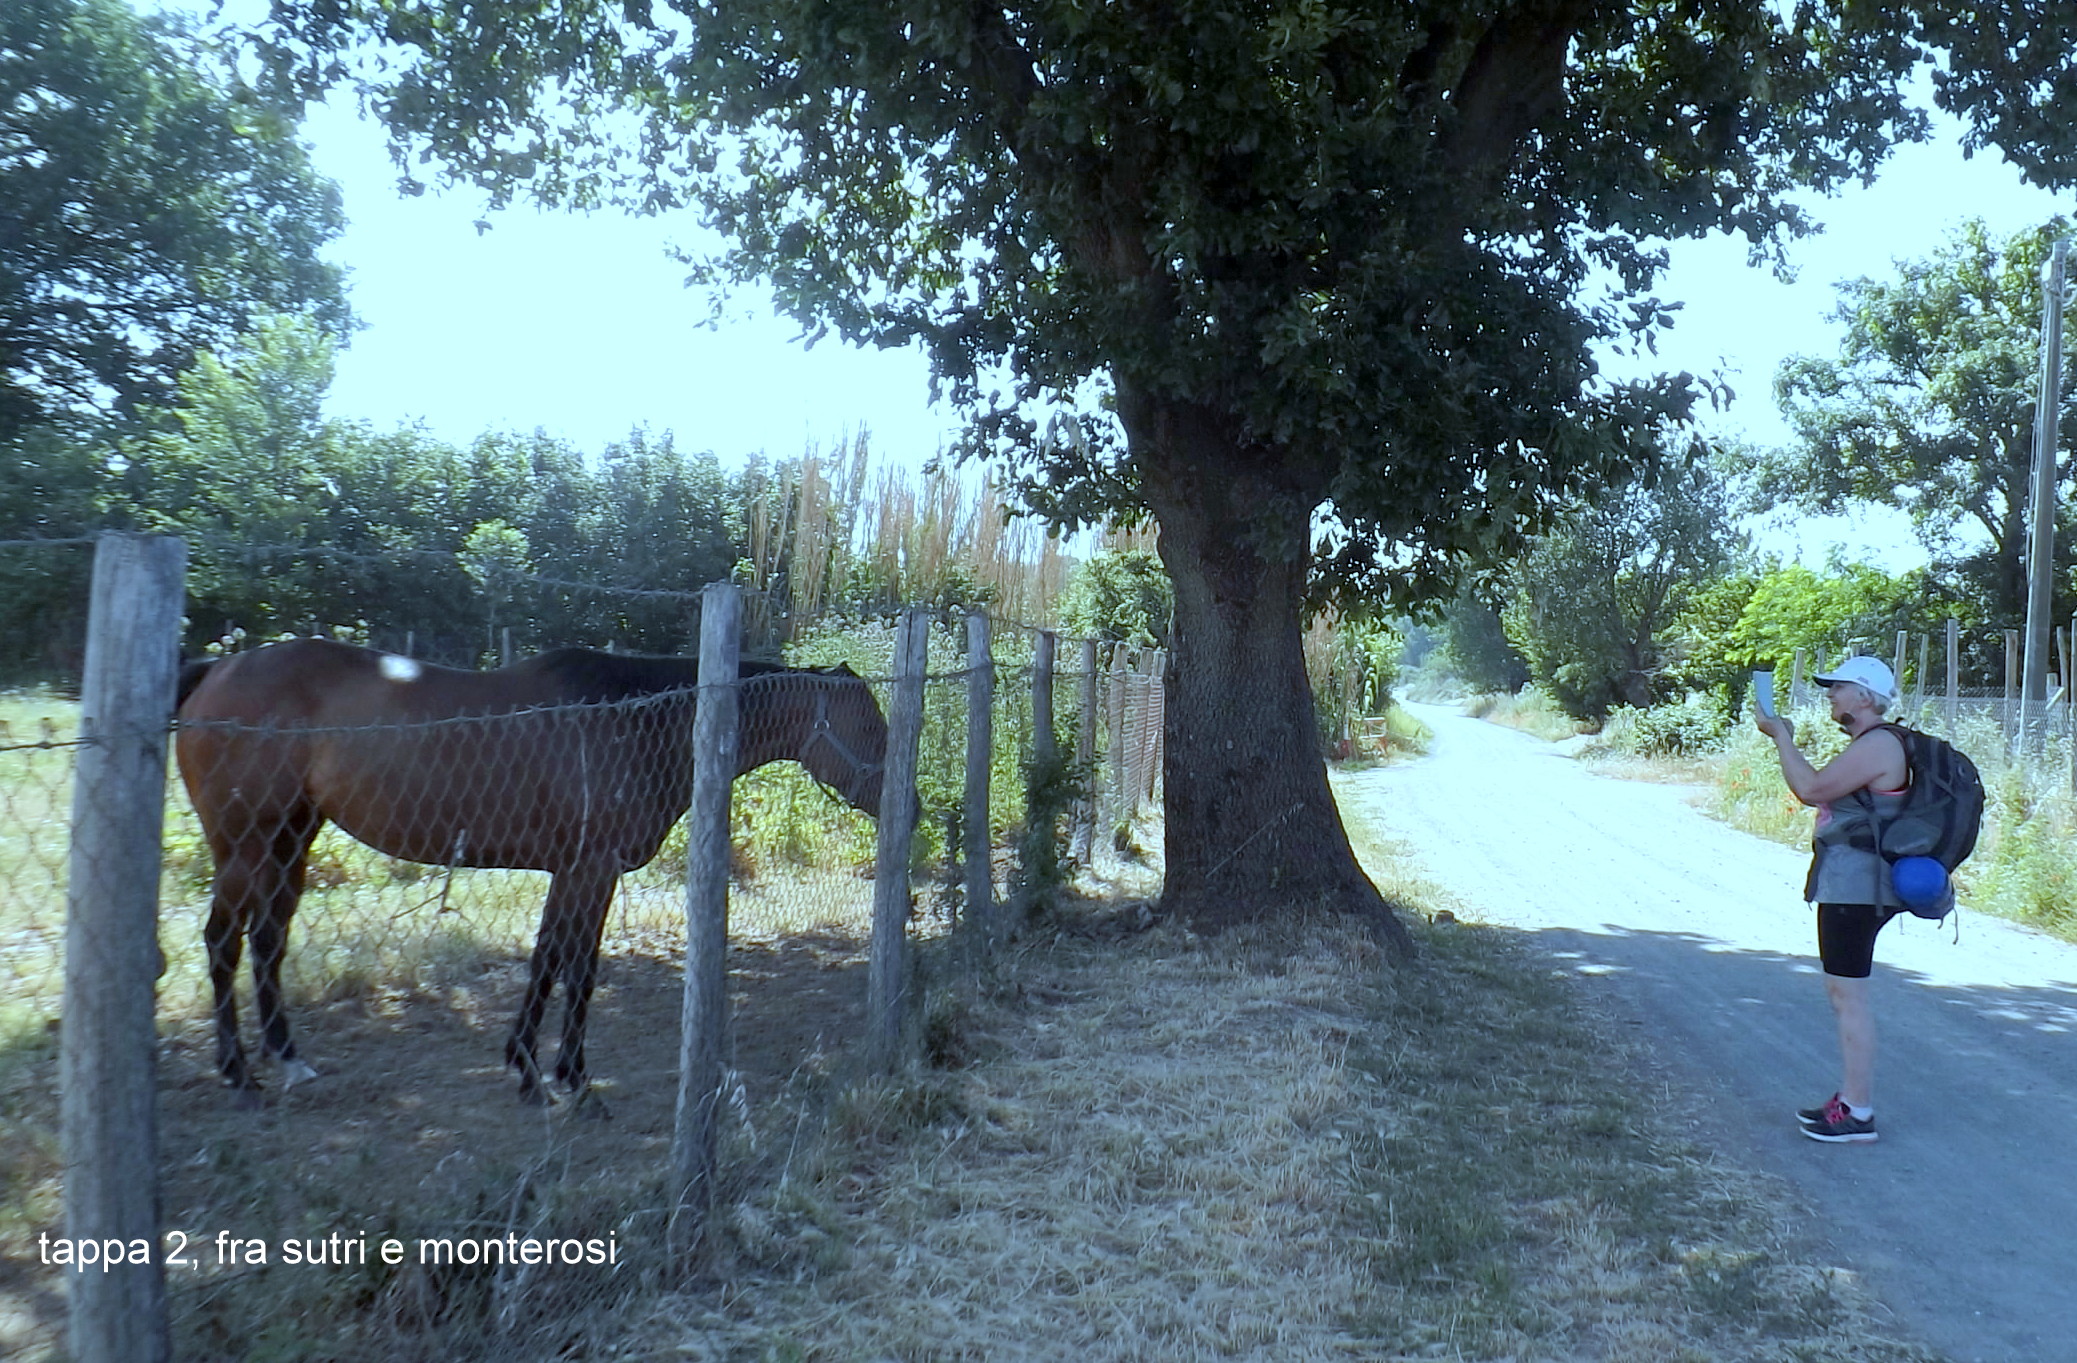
pixel 838 534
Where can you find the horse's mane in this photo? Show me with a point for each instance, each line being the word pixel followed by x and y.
pixel 594 675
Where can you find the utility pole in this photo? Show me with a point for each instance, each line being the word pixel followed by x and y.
pixel 2041 532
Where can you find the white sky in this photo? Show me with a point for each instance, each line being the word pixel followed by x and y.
pixel 581 325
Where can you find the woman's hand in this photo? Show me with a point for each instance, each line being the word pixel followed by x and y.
pixel 1776 727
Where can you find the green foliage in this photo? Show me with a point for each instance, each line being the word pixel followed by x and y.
pixel 1052 788
pixel 1850 609
pixel 242 460
pixel 1369 230
pixel 794 820
pixel 1353 666
pixel 1598 602
pixel 1120 596
pixel 1532 710
pixel 296 522
pixel 1710 657
pixel 1476 645
pixel 2027 865
pixel 1685 728
pixel 154 210
pixel 1929 407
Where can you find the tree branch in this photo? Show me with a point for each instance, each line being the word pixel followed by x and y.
pixel 1514 79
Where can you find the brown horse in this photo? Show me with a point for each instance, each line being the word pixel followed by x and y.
pixel 577 763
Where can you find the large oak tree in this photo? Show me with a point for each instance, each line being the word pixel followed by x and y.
pixel 1315 257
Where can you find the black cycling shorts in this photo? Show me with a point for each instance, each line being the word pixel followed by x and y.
pixel 1846 937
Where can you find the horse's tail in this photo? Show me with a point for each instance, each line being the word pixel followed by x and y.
pixel 191 674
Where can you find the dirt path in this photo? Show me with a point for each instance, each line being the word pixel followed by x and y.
pixel 1963 1217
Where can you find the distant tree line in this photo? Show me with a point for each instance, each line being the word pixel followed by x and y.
pixel 1651 593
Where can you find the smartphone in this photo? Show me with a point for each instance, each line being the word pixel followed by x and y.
pixel 1763 692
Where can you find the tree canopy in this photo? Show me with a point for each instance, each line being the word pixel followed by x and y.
pixel 1929 406
pixel 1599 599
pixel 152 211
pixel 1364 239
pixel 1306 256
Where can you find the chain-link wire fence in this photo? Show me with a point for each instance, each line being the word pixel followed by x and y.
pixel 1984 714
pixel 38 751
pixel 1133 703
pixel 433 863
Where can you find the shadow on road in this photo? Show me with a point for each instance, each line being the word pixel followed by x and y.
pixel 1964 1215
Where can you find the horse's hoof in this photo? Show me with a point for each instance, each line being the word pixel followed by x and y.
pixel 533 1095
pixel 593 1108
pixel 247 1097
pixel 294 1072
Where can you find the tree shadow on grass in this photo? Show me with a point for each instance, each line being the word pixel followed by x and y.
pixel 414 1129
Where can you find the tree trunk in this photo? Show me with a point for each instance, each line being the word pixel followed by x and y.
pixel 1252 829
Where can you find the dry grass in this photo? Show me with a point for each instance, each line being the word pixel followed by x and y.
pixel 1150 1162
pixel 838 533
pixel 1529 710
pixel 1265 1146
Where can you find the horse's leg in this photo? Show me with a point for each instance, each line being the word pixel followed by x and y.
pixel 230 902
pixel 269 930
pixel 544 968
pixel 591 898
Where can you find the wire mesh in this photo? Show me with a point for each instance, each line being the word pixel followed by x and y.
pixel 425 846
pixel 38 750
pixel 1129 750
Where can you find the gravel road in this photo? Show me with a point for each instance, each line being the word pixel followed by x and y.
pixel 1963 1216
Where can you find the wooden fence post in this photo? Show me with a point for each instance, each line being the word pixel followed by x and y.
pixel 1038 859
pixel 1796 680
pixel 2008 727
pixel 1116 754
pixel 1954 674
pixel 976 846
pixel 108 1041
pixel 1085 756
pixel 887 972
pixel 703 1017
pixel 1897 669
pixel 2069 695
pixel 1925 643
pixel 2066 642
pixel 1153 706
pixel 1043 742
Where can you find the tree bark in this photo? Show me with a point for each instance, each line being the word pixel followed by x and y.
pixel 1252 829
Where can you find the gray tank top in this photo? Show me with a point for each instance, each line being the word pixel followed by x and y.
pixel 1845 868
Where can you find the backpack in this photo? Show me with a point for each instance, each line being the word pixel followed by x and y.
pixel 1943 808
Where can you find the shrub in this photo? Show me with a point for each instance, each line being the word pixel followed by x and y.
pixel 1699 724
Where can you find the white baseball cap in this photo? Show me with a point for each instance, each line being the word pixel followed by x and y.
pixel 1862 670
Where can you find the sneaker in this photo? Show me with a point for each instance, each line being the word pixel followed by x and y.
pixel 1836 1124
pixel 1811 1116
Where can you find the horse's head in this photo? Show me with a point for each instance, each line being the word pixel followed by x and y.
pixel 844 746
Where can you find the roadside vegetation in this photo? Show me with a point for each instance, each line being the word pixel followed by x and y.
pixel 2025 864
pixel 1529 710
